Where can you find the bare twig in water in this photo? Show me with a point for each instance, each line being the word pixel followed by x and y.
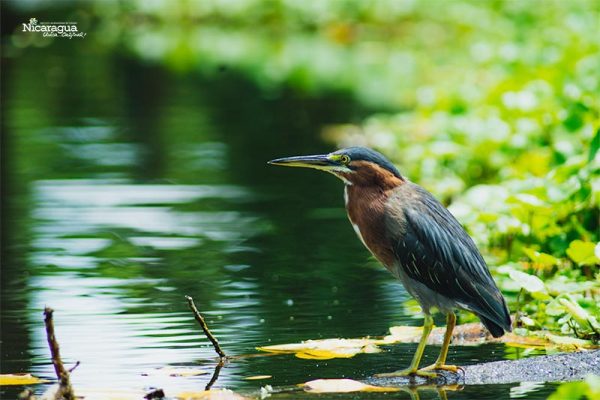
pixel 204 327
pixel 65 390
pixel 215 375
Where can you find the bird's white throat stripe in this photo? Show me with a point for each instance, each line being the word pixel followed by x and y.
pixel 345 195
pixel 357 230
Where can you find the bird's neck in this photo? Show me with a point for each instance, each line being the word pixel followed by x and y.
pixel 366 210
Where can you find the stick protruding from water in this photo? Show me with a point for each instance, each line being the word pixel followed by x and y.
pixel 65 390
pixel 204 327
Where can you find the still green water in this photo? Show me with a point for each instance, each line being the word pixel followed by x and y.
pixel 127 187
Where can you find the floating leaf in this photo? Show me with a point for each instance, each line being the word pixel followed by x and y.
pixel 531 283
pixel 403 334
pixel 212 394
pixel 20 379
pixel 326 348
pixel 100 394
pixel 514 340
pixel 258 377
pixel 343 386
pixel 583 253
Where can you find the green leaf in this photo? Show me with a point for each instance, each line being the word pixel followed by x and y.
pixel 554 308
pixel 593 382
pixel 579 314
pixel 540 258
pixel 568 341
pixel 531 283
pixel 583 253
pixel 594 146
pixel 569 390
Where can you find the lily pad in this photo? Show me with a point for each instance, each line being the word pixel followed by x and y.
pixel 343 386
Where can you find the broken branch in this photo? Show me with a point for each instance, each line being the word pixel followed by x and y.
pixel 204 327
pixel 65 390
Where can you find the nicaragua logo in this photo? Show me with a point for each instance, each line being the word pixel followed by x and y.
pixel 53 29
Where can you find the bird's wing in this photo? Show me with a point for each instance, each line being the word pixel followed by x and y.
pixel 435 250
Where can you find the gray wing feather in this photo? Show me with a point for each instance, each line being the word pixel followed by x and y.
pixel 444 258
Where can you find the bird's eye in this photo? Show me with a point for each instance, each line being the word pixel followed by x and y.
pixel 345 159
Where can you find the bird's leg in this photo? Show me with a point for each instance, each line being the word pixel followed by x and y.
pixel 441 361
pixel 414 365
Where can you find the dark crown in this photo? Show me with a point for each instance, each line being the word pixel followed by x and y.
pixel 366 154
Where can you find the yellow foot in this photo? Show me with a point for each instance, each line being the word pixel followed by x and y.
pixel 408 372
pixel 445 367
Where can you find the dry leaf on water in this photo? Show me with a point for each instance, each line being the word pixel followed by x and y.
pixel 258 377
pixel 342 386
pixel 325 349
pixel 464 335
pixel 20 379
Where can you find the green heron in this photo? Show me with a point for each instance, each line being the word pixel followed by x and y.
pixel 418 240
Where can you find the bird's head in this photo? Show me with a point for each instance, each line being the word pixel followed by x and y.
pixel 354 165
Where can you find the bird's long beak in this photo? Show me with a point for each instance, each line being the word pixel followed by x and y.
pixel 321 161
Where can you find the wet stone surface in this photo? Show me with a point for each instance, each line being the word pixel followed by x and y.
pixel 554 368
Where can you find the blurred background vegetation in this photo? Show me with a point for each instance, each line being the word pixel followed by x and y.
pixel 491 105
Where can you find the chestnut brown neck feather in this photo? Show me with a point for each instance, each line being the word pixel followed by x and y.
pixel 370 174
pixel 371 185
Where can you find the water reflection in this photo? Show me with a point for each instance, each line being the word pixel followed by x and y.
pixel 101 321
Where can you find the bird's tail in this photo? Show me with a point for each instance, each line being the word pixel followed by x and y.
pixel 501 323
pixel 495 329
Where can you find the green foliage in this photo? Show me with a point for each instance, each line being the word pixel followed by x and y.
pixel 587 389
pixel 492 106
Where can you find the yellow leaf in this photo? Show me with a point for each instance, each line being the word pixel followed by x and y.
pixel 19 379
pixel 568 341
pixel 100 394
pixel 403 334
pixel 257 377
pixel 325 349
pixel 212 394
pixel 583 253
pixel 342 386
pixel 523 341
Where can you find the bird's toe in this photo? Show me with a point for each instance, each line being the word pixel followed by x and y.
pixel 407 372
pixel 444 367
